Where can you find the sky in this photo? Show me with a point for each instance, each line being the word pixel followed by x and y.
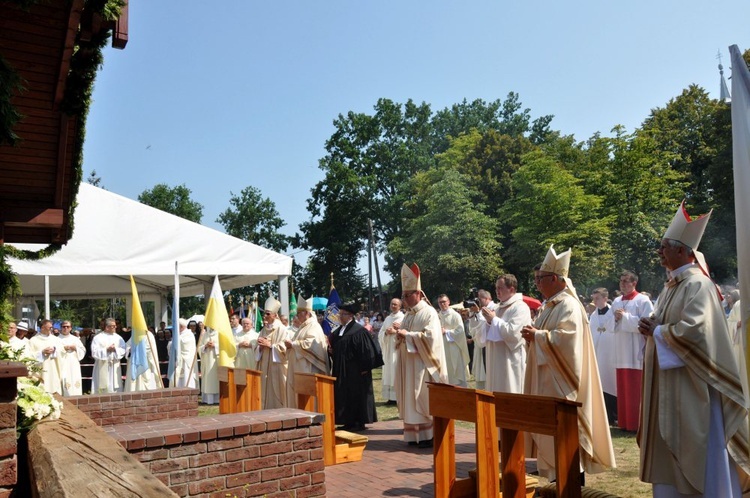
pixel 223 95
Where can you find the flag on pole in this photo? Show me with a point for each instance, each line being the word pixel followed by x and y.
pixel 217 318
pixel 258 317
pixel 174 350
pixel 292 306
pixel 332 312
pixel 242 308
pixel 139 360
pixel 741 162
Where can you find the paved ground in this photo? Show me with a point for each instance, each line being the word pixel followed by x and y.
pixel 390 467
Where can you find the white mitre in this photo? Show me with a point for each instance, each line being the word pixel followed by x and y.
pixel 272 305
pixel 304 304
pixel 685 229
pixel 410 278
pixel 557 264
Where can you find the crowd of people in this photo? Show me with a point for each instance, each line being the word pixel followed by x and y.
pixel 671 368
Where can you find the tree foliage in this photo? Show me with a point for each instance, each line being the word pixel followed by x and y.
pixel 453 241
pixel 254 218
pixel 175 200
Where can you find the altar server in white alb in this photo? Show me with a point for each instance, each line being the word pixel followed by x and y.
pixel 45 348
pixel 388 348
pixel 185 371
pixel 602 324
pixel 694 429
pixel 107 349
pixel 454 343
pixel 71 354
pixel 208 350
pixel 627 310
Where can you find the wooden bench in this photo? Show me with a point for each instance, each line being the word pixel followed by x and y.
pixel 514 414
pixel 239 390
pixel 338 446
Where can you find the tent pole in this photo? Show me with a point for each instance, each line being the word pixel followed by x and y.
pixel 46 297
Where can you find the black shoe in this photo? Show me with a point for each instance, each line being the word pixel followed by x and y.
pixel 425 444
pixel 358 428
pixel 412 443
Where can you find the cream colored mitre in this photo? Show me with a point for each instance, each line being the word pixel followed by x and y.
pixel 410 278
pixel 304 304
pixel 556 263
pixel 272 305
pixel 685 229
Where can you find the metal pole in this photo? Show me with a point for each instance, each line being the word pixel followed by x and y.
pixel 377 270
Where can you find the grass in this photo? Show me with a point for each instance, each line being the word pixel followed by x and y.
pixel 622 481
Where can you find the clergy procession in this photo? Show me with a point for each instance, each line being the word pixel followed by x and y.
pixel 670 369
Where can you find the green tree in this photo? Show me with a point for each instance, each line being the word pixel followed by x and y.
pixel 696 132
pixel 253 218
pixel 175 200
pixel 551 207
pixel 94 179
pixel 453 241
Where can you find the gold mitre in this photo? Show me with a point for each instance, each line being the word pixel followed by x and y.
pixel 557 264
pixel 685 229
pixel 272 305
pixel 304 304
pixel 410 278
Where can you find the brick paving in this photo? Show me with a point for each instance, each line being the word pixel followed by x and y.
pixel 390 467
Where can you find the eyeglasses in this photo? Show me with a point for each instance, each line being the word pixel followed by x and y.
pixel 66 326
pixel 538 279
pixel 443 302
pixel 409 293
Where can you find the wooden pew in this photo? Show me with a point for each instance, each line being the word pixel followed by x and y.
pixel 338 446
pixel 239 390
pixel 518 413
pixel 514 414
pixel 449 403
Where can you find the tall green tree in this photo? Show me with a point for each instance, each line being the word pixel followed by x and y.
pixel 452 240
pixel 254 218
pixel 175 200
pixel 697 133
pixel 551 207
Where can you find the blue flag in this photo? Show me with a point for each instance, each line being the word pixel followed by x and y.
pixel 242 308
pixel 332 312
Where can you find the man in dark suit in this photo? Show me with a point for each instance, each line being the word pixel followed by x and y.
pixel 354 354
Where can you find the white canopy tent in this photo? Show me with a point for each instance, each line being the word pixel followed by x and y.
pixel 115 237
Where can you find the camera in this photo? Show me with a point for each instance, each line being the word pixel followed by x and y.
pixel 472 300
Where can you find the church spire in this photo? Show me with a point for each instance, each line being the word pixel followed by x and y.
pixel 724 95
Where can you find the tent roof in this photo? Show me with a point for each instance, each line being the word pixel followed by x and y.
pixel 116 237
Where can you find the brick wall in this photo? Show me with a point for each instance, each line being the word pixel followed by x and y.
pixel 9 372
pixel 270 453
pixel 147 406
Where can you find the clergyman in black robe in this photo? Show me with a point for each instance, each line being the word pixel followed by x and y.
pixel 355 353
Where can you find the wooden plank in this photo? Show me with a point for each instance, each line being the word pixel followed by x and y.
pixel 252 380
pixel 488 464
pixel 528 413
pixel 120 30
pixel 49 218
pixel 513 463
pixel 444 453
pixel 454 402
pixel 567 457
pixel 74 20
